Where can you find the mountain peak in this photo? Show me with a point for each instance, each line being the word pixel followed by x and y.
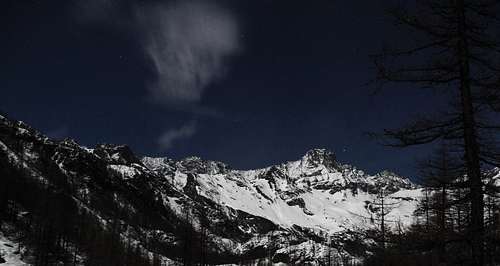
pixel 316 157
pixel 392 181
pixel 198 165
pixel 120 154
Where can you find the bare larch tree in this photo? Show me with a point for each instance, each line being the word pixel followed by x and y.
pixel 454 51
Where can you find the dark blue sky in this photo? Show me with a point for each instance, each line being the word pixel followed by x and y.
pixel 296 82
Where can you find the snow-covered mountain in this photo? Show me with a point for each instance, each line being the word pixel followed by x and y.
pixel 314 192
pixel 295 212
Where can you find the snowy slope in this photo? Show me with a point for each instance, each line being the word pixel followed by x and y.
pixel 8 252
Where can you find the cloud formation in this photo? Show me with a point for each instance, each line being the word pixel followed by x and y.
pixel 167 139
pixel 188 44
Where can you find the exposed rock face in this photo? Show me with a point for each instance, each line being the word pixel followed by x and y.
pixel 320 157
pixel 287 209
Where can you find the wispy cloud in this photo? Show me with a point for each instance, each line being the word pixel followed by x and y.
pixel 188 44
pixel 167 139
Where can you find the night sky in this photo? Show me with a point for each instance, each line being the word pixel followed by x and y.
pixel 250 83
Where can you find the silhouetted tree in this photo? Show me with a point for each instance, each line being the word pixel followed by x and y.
pixel 203 236
pixel 187 241
pixel 456 52
pixel 381 207
pixel 440 174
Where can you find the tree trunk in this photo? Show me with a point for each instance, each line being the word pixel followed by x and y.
pixel 470 141
pixel 442 229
